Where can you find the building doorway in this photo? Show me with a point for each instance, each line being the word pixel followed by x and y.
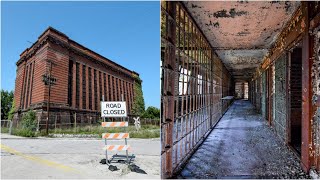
pixel 295 98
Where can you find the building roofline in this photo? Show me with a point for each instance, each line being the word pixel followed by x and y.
pixel 73 42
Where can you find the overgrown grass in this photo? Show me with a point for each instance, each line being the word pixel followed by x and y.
pixel 146 131
pixel 19 132
pixel 24 132
pixel 4 130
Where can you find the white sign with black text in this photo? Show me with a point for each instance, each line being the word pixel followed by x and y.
pixel 113 109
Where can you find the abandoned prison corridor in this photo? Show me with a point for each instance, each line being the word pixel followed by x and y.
pixel 242 146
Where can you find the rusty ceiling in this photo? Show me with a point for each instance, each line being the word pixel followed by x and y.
pixel 241 32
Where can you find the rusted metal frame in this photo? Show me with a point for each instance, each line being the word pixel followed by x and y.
pixel 199 103
pixel 169 92
pixel 306 160
pixel 198 99
pixel 181 118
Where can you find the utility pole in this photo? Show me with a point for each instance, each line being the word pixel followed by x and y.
pixel 48 80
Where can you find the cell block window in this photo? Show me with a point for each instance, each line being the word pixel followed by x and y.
pixel 184 78
pixel 200 85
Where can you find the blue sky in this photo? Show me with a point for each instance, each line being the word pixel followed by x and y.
pixel 126 32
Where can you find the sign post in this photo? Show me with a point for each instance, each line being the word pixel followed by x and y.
pixel 105 140
pixel 115 109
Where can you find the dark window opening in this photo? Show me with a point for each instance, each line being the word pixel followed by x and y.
pixel 90 88
pixel 295 89
pixel 28 87
pixel 109 87
pixel 77 86
pixel 117 89
pixel 95 89
pixel 70 74
pixel 100 86
pixel 84 87
pixel 113 89
pixel 105 86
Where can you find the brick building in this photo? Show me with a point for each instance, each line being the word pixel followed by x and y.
pixel 80 78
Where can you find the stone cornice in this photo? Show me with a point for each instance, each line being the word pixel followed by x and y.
pixel 74 47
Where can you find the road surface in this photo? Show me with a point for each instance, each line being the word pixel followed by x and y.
pixel 75 158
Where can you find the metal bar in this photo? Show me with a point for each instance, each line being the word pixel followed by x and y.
pixel 306 91
pixel 126 143
pixel 105 140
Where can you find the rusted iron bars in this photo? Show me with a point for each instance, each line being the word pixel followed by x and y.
pixel 193 82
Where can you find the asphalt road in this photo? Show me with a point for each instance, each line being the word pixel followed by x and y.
pixel 75 158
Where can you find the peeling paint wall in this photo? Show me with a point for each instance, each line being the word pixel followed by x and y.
pixel 315 123
pixel 280 97
pixel 241 32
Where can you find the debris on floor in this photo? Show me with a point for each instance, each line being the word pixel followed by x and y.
pixel 242 145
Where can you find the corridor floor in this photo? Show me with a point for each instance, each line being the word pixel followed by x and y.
pixel 242 146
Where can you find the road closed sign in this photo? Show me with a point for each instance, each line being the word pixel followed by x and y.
pixel 113 109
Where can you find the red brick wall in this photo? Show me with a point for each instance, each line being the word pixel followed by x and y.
pixel 60 60
pixel 30 89
pixel 19 85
